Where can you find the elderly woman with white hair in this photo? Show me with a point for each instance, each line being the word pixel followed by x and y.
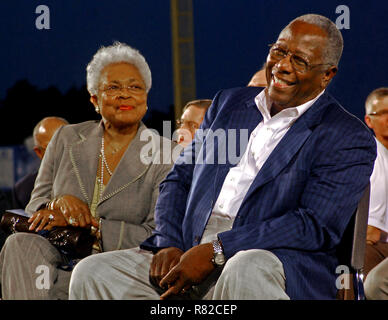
pixel 94 175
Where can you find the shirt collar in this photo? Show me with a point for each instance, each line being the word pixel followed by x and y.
pixel 264 102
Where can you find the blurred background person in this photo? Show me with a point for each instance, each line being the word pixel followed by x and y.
pixel 21 191
pixel 42 134
pixel 192 117
pixel 94 176
pixel 376 252
pixel 258 79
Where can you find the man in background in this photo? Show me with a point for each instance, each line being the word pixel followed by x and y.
pixel 376 262
pixel 258 79
pixel 20 194
pixel 192 117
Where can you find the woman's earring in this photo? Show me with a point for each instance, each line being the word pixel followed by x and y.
pixel 97 108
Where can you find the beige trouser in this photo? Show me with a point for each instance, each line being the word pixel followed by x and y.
pixel 376 283
pixel 28 269
pixel 251 274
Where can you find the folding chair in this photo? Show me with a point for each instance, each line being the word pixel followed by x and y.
pixel 355 238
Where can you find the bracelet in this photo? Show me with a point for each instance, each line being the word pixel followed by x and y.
pixel 50 204
pixel 96 231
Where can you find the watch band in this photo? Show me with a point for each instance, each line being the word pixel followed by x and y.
pixel 217 247
pixel 218 254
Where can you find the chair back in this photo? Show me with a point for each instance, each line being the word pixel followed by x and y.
pixel 351 250
pixel 360 229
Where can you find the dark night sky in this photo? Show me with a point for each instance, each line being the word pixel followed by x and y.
pixel 231 40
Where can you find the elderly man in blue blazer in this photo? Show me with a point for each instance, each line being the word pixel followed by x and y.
pixel 265 222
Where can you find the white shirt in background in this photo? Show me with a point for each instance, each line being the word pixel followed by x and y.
pixel 378 207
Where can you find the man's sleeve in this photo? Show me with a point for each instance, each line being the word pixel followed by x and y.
pixel 171 205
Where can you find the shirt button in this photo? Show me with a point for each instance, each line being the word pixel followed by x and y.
pixel 232 179
pixel 221 206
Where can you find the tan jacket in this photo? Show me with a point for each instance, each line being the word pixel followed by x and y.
pixel 128 201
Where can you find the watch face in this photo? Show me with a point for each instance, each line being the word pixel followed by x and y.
pixel 219 259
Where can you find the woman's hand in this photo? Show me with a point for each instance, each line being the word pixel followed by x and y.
pixel 75 211
pixel 45 219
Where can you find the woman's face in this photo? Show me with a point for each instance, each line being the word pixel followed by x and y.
pixel 122 96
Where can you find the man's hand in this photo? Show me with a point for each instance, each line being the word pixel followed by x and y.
pixel 194 266
pixel 162 262
pixel 372 235
pixel 75 211
pixel 45 219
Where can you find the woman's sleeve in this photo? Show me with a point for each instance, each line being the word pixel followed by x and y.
pixel 42 192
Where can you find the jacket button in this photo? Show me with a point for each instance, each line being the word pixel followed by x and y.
pixel 196 239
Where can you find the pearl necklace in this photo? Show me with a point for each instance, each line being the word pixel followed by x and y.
pixel 104 162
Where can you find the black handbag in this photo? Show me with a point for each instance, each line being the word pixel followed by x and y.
pixel 74 242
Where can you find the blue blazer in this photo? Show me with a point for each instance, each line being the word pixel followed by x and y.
pixel 297 207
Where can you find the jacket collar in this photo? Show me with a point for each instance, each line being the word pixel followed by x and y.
pixel 84 155
pixel 291 143
pixel 287 147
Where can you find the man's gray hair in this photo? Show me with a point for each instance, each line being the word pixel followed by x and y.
pixel 375 94
pixel 118 52
pixel 335 43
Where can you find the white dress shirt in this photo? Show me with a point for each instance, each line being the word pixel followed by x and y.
pixel 262 141
pixel 378 206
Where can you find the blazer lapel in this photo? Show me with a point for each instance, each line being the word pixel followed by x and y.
pixel 246 117
pixel 84 156
pixel 130 168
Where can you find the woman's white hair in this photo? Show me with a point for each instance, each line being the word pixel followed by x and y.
pixel 118 52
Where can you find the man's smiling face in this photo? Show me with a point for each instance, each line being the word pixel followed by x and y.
pixel 295 68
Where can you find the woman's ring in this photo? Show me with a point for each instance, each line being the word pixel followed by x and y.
pixel 72 221
pixel 51 217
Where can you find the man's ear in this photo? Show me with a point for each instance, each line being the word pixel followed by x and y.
pixel 329 74
pixel 368 121
pixel 38 152
pixel 94 100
